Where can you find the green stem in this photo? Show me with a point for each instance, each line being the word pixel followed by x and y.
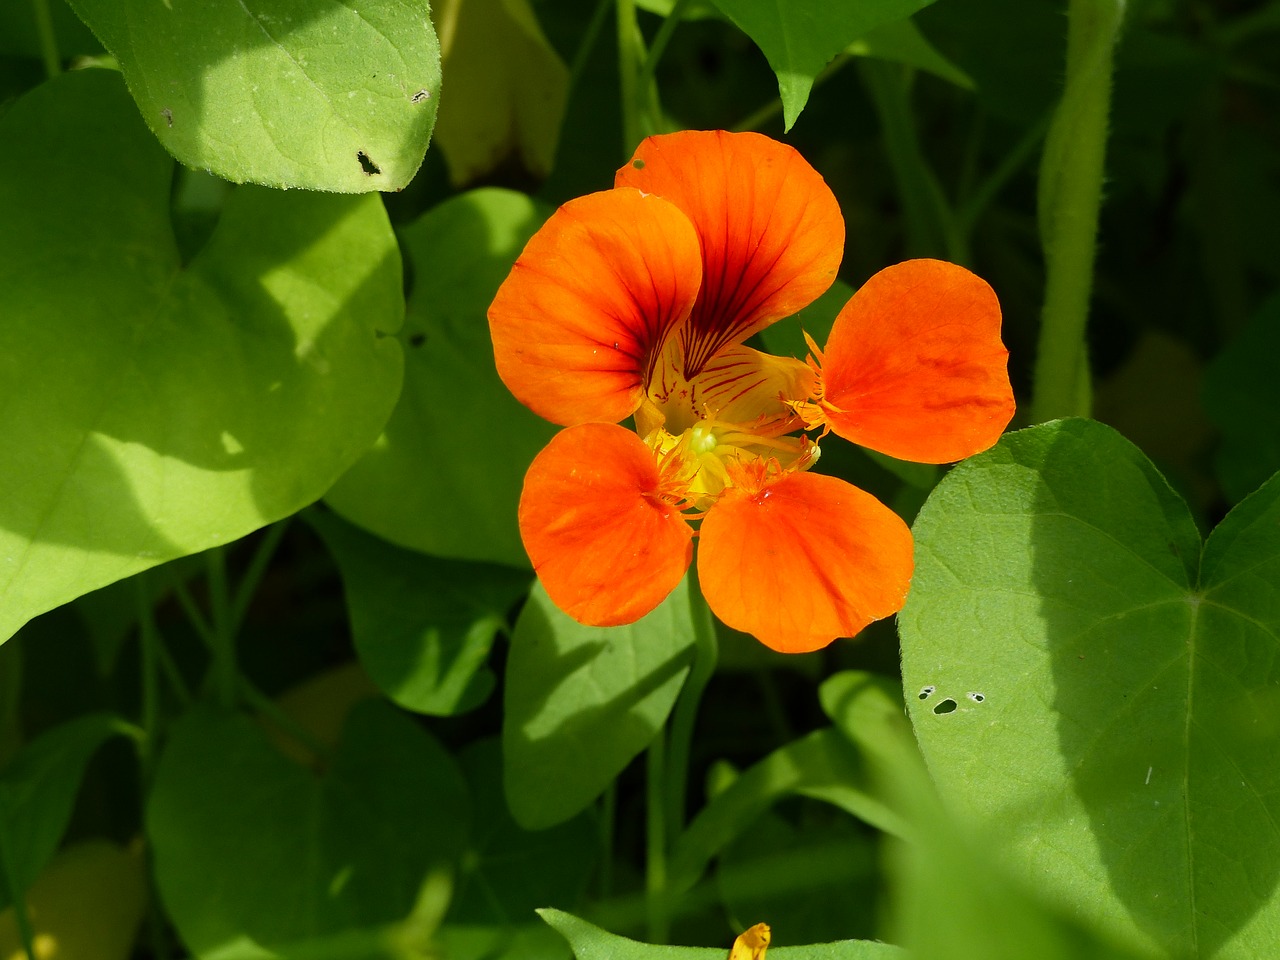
pixel 929 219
pixel 16 895
pixel 656 842
pixel 225 671
pixel 48 40
pixel 608 822
pixel 705 654
pixel 248 584
pixel 1071 174
pixel 1009 164
pixel 149 640
pixel 588 41
pixel 629 59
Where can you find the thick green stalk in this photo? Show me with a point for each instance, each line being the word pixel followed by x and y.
pixel 630 57
pixel 48 41
pixel 685 715
pixel 1071 175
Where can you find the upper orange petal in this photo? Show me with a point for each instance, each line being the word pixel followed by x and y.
pixel 915 367
pixel 606 546
pixel 579 319
pixel 803 559
pixel 771 231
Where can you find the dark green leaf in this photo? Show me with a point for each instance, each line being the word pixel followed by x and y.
pixel 799 37
pixel 37 791
pixel 255 851
pixel 422 626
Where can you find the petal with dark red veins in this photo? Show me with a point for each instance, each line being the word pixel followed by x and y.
pixel 579 320
pixel 606 546
pixel 802 560
pixel 915 367
pixel 771 231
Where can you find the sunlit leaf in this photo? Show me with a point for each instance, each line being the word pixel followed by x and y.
pixel 155 408
pixel 507 89
pixel 800 37
pixel 287 93
pixel 581 702
pixel 445 477
pixel 1097 698
pixel 591 943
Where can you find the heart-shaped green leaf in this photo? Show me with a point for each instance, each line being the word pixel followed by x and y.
pixel 445 477
pixel 153 409
pixel 289 93
pixel 1097 696
pixel 345 851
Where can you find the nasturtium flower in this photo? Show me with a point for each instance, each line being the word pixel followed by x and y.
pixel 636 302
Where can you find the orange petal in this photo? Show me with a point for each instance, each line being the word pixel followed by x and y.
pixel 606 548
pixel 803 560
pixel 915 367
pixel 771 231
pixel 578 321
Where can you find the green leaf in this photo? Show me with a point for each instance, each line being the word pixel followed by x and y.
pixel 286 93
pixel 1242 398
pixel 422 626
pixel 822 765
pixel 155 409
pixel 592 943
pixel 1097 697
pixel 800 37
pixel 445 477
pixel 509 872
pixel 37 792
pixel 348 851
pixel 900 41
pixel 581 702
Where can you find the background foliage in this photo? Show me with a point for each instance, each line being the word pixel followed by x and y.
pixel 278 681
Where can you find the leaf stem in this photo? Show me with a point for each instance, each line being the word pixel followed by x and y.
pixel 48 39
pixel 1070 196
pixel 684 718
pixel 588 41
pixel 249 583
pixel 223 636
pixel 629 59
pixel 656 841
pixel 930 222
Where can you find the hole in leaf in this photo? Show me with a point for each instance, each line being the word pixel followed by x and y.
pixel 927 691
pixel 368 166
pixel 977 697
pixel 945 706
pixel 638 163
pixel 417 340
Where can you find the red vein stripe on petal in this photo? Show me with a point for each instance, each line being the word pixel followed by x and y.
pixel 803 559
pixel 770 229
pixel 579 320
pixel 605 544
pixel 915 367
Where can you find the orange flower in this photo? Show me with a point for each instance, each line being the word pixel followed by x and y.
pixel 636 302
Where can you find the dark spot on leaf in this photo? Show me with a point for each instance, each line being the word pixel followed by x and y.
pixel 423 94
pixel 368 166
pixel 168 116
pixel 927 692
pixel 417 340
pixel 638 163
pixel 945 706
pixel 977 697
